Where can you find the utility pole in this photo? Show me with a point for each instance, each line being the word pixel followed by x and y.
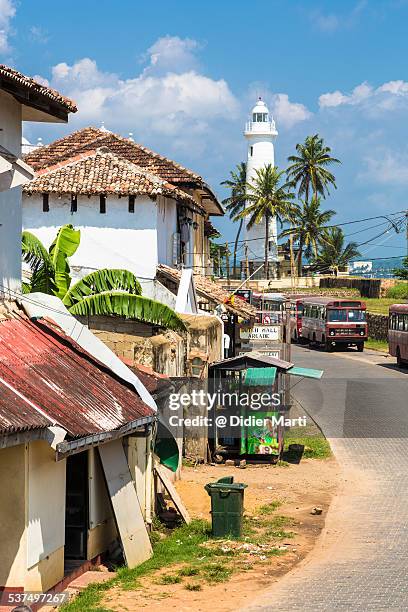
pixel 246 262
pixel 406 228
pixel 228 262
pixel 287 353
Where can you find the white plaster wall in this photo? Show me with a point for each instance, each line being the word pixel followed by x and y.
pixel 46 502
pixel 116 239
pixel 10 200
pixel 166 227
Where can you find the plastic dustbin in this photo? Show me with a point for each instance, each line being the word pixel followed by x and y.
pixel 227 506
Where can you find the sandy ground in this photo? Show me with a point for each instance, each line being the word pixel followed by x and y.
pixel 298 487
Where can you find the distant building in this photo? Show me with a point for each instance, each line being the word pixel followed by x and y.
pixel 137 209
pixel 260 133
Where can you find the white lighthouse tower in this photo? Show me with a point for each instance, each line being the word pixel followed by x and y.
pixel 260 133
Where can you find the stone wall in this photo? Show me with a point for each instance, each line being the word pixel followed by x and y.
pixel 377 326
pixel 368 287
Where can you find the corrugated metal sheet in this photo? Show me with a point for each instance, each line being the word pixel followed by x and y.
pixel 46 378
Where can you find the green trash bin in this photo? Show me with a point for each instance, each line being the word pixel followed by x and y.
pixel 227 506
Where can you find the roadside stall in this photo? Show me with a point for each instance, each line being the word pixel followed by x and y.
pixel 247 410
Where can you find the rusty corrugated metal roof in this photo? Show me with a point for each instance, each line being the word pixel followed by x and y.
pixel 46 378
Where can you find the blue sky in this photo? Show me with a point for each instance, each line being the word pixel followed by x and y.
pixel 182 76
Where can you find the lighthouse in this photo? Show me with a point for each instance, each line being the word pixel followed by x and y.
pixel 260 133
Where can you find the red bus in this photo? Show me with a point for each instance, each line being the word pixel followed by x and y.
pixel 334 321
pixel 398 333
pixel 296 315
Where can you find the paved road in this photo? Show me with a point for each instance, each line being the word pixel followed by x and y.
pixel 361 560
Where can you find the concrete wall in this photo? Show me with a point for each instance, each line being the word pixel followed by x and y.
pixel 45 517
pixel 12 516
pixel 10 200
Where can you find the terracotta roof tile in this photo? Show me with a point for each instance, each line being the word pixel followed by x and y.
pixel 10 74
pixel 102 172
pixel 211 291
pixel 91 138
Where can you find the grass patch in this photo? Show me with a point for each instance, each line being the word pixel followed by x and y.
pixel 169 579
pixel 216 572
pixel 269 508
pixel 398 292
pixel 376 345
pixel 315 444
pixel 193 586
pixel 378 305
pixel 186 546
pixel 189 571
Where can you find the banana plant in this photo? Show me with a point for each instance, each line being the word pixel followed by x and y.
pixel 102 292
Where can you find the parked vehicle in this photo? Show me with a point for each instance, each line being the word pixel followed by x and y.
pixel 398 333
pixel 270 307
pixel 296 316
pixel 332 322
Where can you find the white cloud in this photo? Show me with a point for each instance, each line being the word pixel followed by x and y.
pixel 288 113
pixel 387 168
pixel 171 53
pixel 388 96
pixel 331 22
pixel 38 34
pixel 337 98
pixel 7 12
pixel 169 98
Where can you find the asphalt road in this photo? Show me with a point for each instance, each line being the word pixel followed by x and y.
pixel 361 559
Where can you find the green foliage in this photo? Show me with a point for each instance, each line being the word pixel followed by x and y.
pixel 268 196
pixel 308 227
pixel 130 306
pixel 269 508
pixel 402 273
pixel 235 203
pixel 102 281
pixel 42 268
pixel 334 253
pixel 308 171
pixel 65 245
pixel 316 446
pixel 398 292
pixel 103 292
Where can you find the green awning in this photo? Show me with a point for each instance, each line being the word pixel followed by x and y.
pixel 258 377
pixel 305 372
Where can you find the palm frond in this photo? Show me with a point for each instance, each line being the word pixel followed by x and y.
pixel 130 306
pixel 64 246
pixel 101 281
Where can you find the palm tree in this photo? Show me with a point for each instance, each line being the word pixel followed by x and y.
pixel 235 203
pixel 308 170
pixel 103 292
pixel 218 253
pixel 333 253
pixel 267 198
pixel 308 223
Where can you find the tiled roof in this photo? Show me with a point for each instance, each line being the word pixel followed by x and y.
pixel 102 172
pixel 8 74
pixel 211 291
pixel 92 138
pixel 47 379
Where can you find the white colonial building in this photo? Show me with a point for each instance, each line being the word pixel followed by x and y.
pixel 135 209
pixel 260 133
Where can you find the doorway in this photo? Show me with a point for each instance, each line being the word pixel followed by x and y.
pixel 76 508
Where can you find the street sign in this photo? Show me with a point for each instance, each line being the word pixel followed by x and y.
pixel 261 333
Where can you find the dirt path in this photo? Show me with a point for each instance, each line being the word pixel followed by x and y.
pixel 299 488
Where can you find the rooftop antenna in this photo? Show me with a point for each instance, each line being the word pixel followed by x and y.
pixel 130 136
